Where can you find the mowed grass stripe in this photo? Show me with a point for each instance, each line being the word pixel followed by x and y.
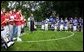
pixel 35 36
pixel 74 43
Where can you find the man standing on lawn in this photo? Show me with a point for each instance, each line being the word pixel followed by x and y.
pixel 31 23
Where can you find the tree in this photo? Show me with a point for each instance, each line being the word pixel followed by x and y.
pixel 43 9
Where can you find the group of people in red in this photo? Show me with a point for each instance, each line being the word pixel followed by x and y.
pixel 12 22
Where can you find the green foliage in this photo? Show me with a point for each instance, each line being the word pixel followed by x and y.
pixel 4 4
pixel 63 8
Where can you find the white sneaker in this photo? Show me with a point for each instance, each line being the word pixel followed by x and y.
pixel 14 38
pixel 10 43
pixel 19 39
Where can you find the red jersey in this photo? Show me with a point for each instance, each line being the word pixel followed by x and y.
pixel 11 19
pixel 3 22
pixel 17 19
pixel 22 21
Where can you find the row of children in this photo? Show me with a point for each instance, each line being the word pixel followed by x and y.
pixel 73 24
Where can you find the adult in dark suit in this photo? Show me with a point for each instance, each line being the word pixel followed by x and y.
pixel 31 23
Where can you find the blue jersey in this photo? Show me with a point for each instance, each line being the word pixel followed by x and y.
pixel 79 21
pixel 50 19
pixel 58 23
pixel 71 20
pixel 61 22
pixel 46 21
pixel 53 22
pixel 75 22
pixel 65 22
pixel 43 22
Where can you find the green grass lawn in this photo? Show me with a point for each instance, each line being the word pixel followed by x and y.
pixel 74 43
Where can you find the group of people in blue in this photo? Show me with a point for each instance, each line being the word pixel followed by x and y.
pixel 61 23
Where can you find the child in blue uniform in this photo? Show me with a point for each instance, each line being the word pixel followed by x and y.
pixel 70 23
pixel 42 25
pixel 61 24
pixel 46 24
pixel 66 24
pixel 75 23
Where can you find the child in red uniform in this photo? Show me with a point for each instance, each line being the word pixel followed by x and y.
pixel 18 24
pixel 14 26
pixel 4 24
pixel 3 32
pixel 11 24
pixel 7 24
